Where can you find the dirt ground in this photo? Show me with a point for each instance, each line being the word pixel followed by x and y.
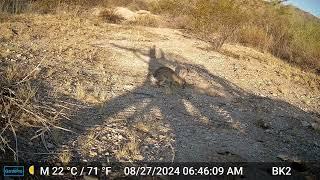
pixel 239 104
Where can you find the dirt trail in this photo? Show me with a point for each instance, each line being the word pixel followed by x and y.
pixel 216 118
pixel 239 104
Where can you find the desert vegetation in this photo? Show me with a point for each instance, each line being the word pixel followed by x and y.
pixel 282 30
pixel 21 109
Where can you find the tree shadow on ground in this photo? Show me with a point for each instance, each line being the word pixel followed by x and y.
pixel 211 119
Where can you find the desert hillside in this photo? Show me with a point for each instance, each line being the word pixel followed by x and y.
pixel 77 87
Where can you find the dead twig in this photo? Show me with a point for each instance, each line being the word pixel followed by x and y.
pixel 26 77
pixel 16 156
pixel 173 152
pixel 43 120
pixel 44 141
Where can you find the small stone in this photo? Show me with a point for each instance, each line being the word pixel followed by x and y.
pixel 18 55
pixel 50 146
pixel 283 157
pixel 93 154
pixel 268 131
pixel 315 126
pixel 305 124
pixel 104 138
pixel 154 134
pixel 89 178
pixel 149 140
pixel 139 157
pixel 120 136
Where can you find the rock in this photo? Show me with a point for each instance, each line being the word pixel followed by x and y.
pixel 120 136
pixel 93 154
pixel 283 157
pixel 143 12
pixel 125 13
pixel 97 11
pixel 315 126
pixel 104 138
pixel 139 157
pixel 305 124
pixel 50 146
pixel 89 178
pixel 268 131
pixel 145 147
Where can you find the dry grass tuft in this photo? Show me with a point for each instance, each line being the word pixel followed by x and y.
pixel 130 151
pixel 255 36
pixel 146 20
pixel 20 108
pixel 111 16
pixel 65 157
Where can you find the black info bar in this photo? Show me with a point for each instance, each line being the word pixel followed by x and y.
pixel 155 170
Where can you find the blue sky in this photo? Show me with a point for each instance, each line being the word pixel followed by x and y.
pixel 312 6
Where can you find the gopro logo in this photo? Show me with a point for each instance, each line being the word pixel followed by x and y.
pixel 13 171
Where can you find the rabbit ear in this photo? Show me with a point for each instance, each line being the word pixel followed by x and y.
pixel 184 72
pixel 153 80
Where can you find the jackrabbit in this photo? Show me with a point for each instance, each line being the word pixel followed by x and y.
pixel 165 76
